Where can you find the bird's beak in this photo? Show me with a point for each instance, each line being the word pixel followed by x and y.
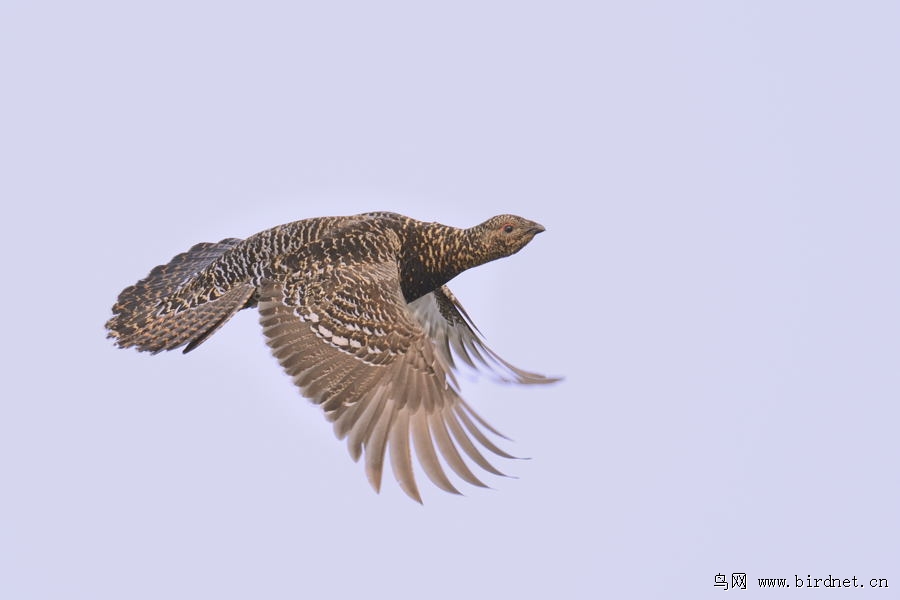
pixel 536 228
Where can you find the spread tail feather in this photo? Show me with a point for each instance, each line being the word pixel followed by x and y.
pixel 141 319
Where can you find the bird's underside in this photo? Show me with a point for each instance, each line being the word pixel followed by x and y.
pixel 334 296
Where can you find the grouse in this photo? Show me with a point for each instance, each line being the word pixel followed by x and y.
pixel 356 311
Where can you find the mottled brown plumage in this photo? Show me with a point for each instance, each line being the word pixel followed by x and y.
pixel 356 311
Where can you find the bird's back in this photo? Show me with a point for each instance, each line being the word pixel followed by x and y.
pixel 186 300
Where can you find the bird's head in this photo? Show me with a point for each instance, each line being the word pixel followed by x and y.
pixel 504 235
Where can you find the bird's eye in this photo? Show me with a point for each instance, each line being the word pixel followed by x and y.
pixel 507 229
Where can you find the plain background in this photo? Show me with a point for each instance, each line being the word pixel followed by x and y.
pixel 718 284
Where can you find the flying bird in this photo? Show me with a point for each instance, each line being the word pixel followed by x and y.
pixel 357 312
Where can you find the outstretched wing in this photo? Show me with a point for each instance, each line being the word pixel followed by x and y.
pixel 343 332
pixel 451 330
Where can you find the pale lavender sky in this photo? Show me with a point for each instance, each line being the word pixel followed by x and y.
pixel 718 284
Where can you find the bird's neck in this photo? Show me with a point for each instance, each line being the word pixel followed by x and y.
pixel 440 254
pixel 461 250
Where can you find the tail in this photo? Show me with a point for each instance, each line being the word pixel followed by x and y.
pixel 143 316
